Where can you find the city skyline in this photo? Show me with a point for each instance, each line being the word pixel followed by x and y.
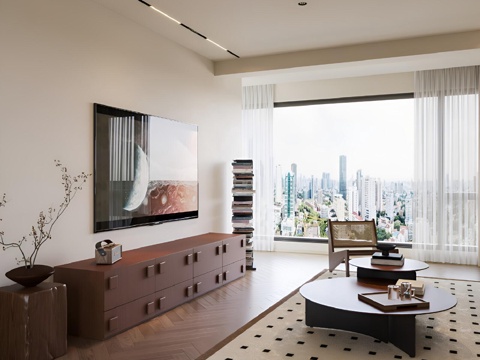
pixel 375 136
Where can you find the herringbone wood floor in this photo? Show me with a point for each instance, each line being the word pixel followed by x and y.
pixel 193 328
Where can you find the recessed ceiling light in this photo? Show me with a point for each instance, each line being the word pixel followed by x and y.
pixel 188 27
pixel 302 3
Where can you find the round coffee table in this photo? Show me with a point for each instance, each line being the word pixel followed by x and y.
pixel 387 272
pixel 334 304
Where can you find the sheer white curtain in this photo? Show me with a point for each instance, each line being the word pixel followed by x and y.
pixel 446 165
pixel 257 133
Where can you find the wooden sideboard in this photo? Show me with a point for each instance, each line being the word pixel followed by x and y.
pixel 104 300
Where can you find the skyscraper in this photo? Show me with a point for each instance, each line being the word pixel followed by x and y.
pixel 369 210
pixel 343 177
pixel 289 202
pixel 326 181
pixel 293 169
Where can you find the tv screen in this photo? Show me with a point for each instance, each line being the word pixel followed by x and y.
pixel 146 169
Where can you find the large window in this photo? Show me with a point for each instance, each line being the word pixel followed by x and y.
pixel 347 159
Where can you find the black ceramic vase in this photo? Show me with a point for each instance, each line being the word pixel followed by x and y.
pixel 30 277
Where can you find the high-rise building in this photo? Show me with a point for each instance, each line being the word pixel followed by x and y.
pixel 390 205
pixel 289 195
pixel 352 201
pixel 278 190
pixel 369 210
pixel 379 195
pixel 338 205
pixel 326 184
pixel 293 169
pixel 359 184
pixel 343 177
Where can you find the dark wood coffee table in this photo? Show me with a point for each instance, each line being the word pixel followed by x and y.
pixel 387 272
pixel 333 303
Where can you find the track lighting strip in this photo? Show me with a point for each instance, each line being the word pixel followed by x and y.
pixel 188 27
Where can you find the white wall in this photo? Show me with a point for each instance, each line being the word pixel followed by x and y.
pixel 397 83
pixel 58 58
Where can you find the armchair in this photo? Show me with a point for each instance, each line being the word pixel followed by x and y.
pixel 350 238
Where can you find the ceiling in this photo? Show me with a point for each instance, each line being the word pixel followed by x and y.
pixel 253 28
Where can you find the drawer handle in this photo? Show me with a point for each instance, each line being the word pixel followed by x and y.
pixel 161 302
pixel 150 270
pixel 162 267
pixel 189 259
pixel 219 278
pixel 197 256
pixel 189 291
pixel 242 243
pixel 219 250
pixel 225 275
pixel 225 248
pixel 113 323
pixel 198 287
pixel 112 282
pixel 150 308
pixel 242 269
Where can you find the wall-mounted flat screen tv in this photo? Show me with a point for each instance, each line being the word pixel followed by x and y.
pixel 146 169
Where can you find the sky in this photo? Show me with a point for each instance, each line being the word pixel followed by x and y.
pixel 375 136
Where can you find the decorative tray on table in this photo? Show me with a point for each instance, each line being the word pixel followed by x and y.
pixel 381 301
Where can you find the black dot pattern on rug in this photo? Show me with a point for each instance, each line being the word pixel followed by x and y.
pixel 439 336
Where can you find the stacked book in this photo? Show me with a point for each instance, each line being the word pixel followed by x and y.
pixel 242 204
pixel 394 259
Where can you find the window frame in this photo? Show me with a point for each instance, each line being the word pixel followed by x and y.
pixel 351 99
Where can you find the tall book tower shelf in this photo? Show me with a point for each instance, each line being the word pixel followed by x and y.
pixel 242 204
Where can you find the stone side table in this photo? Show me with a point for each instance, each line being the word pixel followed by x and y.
pixel 33 321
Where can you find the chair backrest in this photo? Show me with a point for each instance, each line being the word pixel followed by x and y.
pixel 352 234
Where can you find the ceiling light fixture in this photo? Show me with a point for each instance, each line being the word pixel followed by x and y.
pixel 188 27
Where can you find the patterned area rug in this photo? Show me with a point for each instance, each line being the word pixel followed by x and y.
pixel 281 332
